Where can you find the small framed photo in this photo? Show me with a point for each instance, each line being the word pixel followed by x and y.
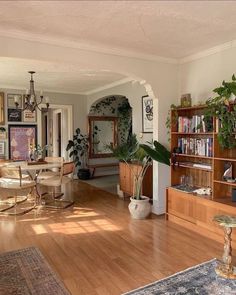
pixel 147 111
pixel 2 149
pixel 11 101
pixel 14 115
pixel 29 116
pixel 186 100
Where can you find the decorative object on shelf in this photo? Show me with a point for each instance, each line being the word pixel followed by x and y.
pixel 78 148
pixel 186 100
pixel 14 115
pixel 228 172
pixel 225 268
pixel 2 111
pixel 3 133
pixel 222 108
pixel 22 139
pixel 147 113
pixel 31 102
pixel 203 191
pixel 2 149
pixel 12 98
pixel 233 194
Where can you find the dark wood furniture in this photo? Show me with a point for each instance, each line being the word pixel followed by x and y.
pixel 193 211
pixel 93 167
pixel 126 179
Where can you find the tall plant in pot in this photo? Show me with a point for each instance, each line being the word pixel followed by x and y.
pixel 132 152
pixel 78 148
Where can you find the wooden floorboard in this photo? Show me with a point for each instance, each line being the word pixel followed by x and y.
pixel 97 249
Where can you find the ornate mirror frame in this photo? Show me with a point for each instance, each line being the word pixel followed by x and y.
pixel 91 119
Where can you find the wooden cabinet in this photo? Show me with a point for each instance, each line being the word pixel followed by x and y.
pixel 197 155
pixel 126 179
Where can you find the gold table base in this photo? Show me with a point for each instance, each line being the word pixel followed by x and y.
pixel 225 272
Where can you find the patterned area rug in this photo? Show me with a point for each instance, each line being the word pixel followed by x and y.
pixel 26 272
pixel 200 279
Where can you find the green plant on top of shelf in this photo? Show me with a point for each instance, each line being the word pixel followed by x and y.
pixel 223 108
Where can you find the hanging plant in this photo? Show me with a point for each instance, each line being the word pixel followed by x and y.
pixel 224 110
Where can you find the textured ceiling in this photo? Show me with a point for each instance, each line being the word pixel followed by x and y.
pixel 173 29
pixel 52 77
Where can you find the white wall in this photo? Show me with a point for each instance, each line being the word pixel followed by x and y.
pixel 201 76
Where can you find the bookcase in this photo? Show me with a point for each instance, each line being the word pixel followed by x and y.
pixel 197 155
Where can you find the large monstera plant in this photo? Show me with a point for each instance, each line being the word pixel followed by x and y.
pixel 223 108
pixel 78 148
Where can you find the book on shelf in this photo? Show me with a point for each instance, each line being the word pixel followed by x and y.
pixel 196 146
pixel 194 165
pixel 195 124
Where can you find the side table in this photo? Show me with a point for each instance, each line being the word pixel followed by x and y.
pixel 225 268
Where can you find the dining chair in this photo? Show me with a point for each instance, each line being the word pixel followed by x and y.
pixel 18 190
pixel 65 176
pixel 51 173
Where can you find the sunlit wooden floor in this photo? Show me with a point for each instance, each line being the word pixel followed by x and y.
pixel 97 249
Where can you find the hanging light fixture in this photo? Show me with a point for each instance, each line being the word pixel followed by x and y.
pixel 30 99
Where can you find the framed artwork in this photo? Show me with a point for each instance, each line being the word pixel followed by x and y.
pixel 29 116
pixel 2 149
pixel 147 112
pixel 11 101
pixel 22 139
pixel 14 115
pixel 2 111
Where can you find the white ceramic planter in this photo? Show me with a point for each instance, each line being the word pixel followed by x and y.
pixel 139 209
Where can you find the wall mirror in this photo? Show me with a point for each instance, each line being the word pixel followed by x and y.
pixel 2 113
pixel 102 132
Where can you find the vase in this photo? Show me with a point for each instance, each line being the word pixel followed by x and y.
pixel 140 209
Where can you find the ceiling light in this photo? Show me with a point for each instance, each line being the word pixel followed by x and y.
pixel 31 102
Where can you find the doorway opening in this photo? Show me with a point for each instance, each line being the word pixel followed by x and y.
pixel 56 129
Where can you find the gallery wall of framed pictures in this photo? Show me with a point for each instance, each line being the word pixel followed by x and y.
pixel 17 114
pixel 15 126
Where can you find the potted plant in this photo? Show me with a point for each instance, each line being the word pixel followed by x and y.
pixel 78 148
pixel 132 152
pixel 223 108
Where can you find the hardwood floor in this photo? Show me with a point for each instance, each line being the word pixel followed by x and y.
pixel 97 249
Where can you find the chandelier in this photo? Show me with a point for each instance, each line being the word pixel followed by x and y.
pixel 31 102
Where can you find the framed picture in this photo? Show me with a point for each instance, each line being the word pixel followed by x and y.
pixel 22 139
pixel 11 101
pixel 147 111
pixel 29 116
pixel 2 111
pixel 186 100
pixel 2 149
pixel 14 115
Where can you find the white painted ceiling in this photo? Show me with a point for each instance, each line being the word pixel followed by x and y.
pixel 172 29
pixel 53 77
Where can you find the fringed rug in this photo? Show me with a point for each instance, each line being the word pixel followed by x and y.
pixel 26 272
pixel 200 279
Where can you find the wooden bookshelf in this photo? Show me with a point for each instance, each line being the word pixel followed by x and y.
pixel 188 209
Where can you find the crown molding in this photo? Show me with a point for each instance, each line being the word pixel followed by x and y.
pixel 87 47
pixel 110 85
pixel 6 88
pixel 208 52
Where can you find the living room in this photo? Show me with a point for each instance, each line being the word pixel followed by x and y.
pixel 85 51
